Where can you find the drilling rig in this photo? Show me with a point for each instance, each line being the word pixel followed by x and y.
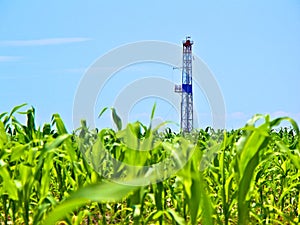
pixel 186 87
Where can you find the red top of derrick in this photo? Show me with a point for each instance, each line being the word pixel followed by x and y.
pixel 187 43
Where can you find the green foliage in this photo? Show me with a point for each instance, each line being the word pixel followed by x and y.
pixel 138 175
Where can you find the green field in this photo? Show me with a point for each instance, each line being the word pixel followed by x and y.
pixel 244 176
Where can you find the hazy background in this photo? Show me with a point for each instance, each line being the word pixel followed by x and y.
pixel 252 48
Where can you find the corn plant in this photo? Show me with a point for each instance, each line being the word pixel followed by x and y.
pixel 244 176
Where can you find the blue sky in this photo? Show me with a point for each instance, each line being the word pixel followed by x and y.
pixel 251 47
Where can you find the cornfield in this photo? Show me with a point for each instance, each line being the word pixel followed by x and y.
pixel 244 176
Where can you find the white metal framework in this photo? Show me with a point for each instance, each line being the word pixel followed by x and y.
pixel 186 87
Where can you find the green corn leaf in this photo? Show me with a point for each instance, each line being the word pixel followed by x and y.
pixel 56 119
pixel 102 111
pixel 103 192
pixel 3 135
pixel 18 151
pixel 176 217
pixel 277 121
pixel 248 149
pixel 195 199
pixel 3 114
pixel 116 118
pixel 152 112
pixel 56 142
pixel 206 206
pixel 294 158
pixel 9 186
pixel 16 108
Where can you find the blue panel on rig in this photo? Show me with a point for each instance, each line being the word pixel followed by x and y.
pixel 187 88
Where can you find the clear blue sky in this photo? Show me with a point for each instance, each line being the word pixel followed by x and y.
pixel 252 48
